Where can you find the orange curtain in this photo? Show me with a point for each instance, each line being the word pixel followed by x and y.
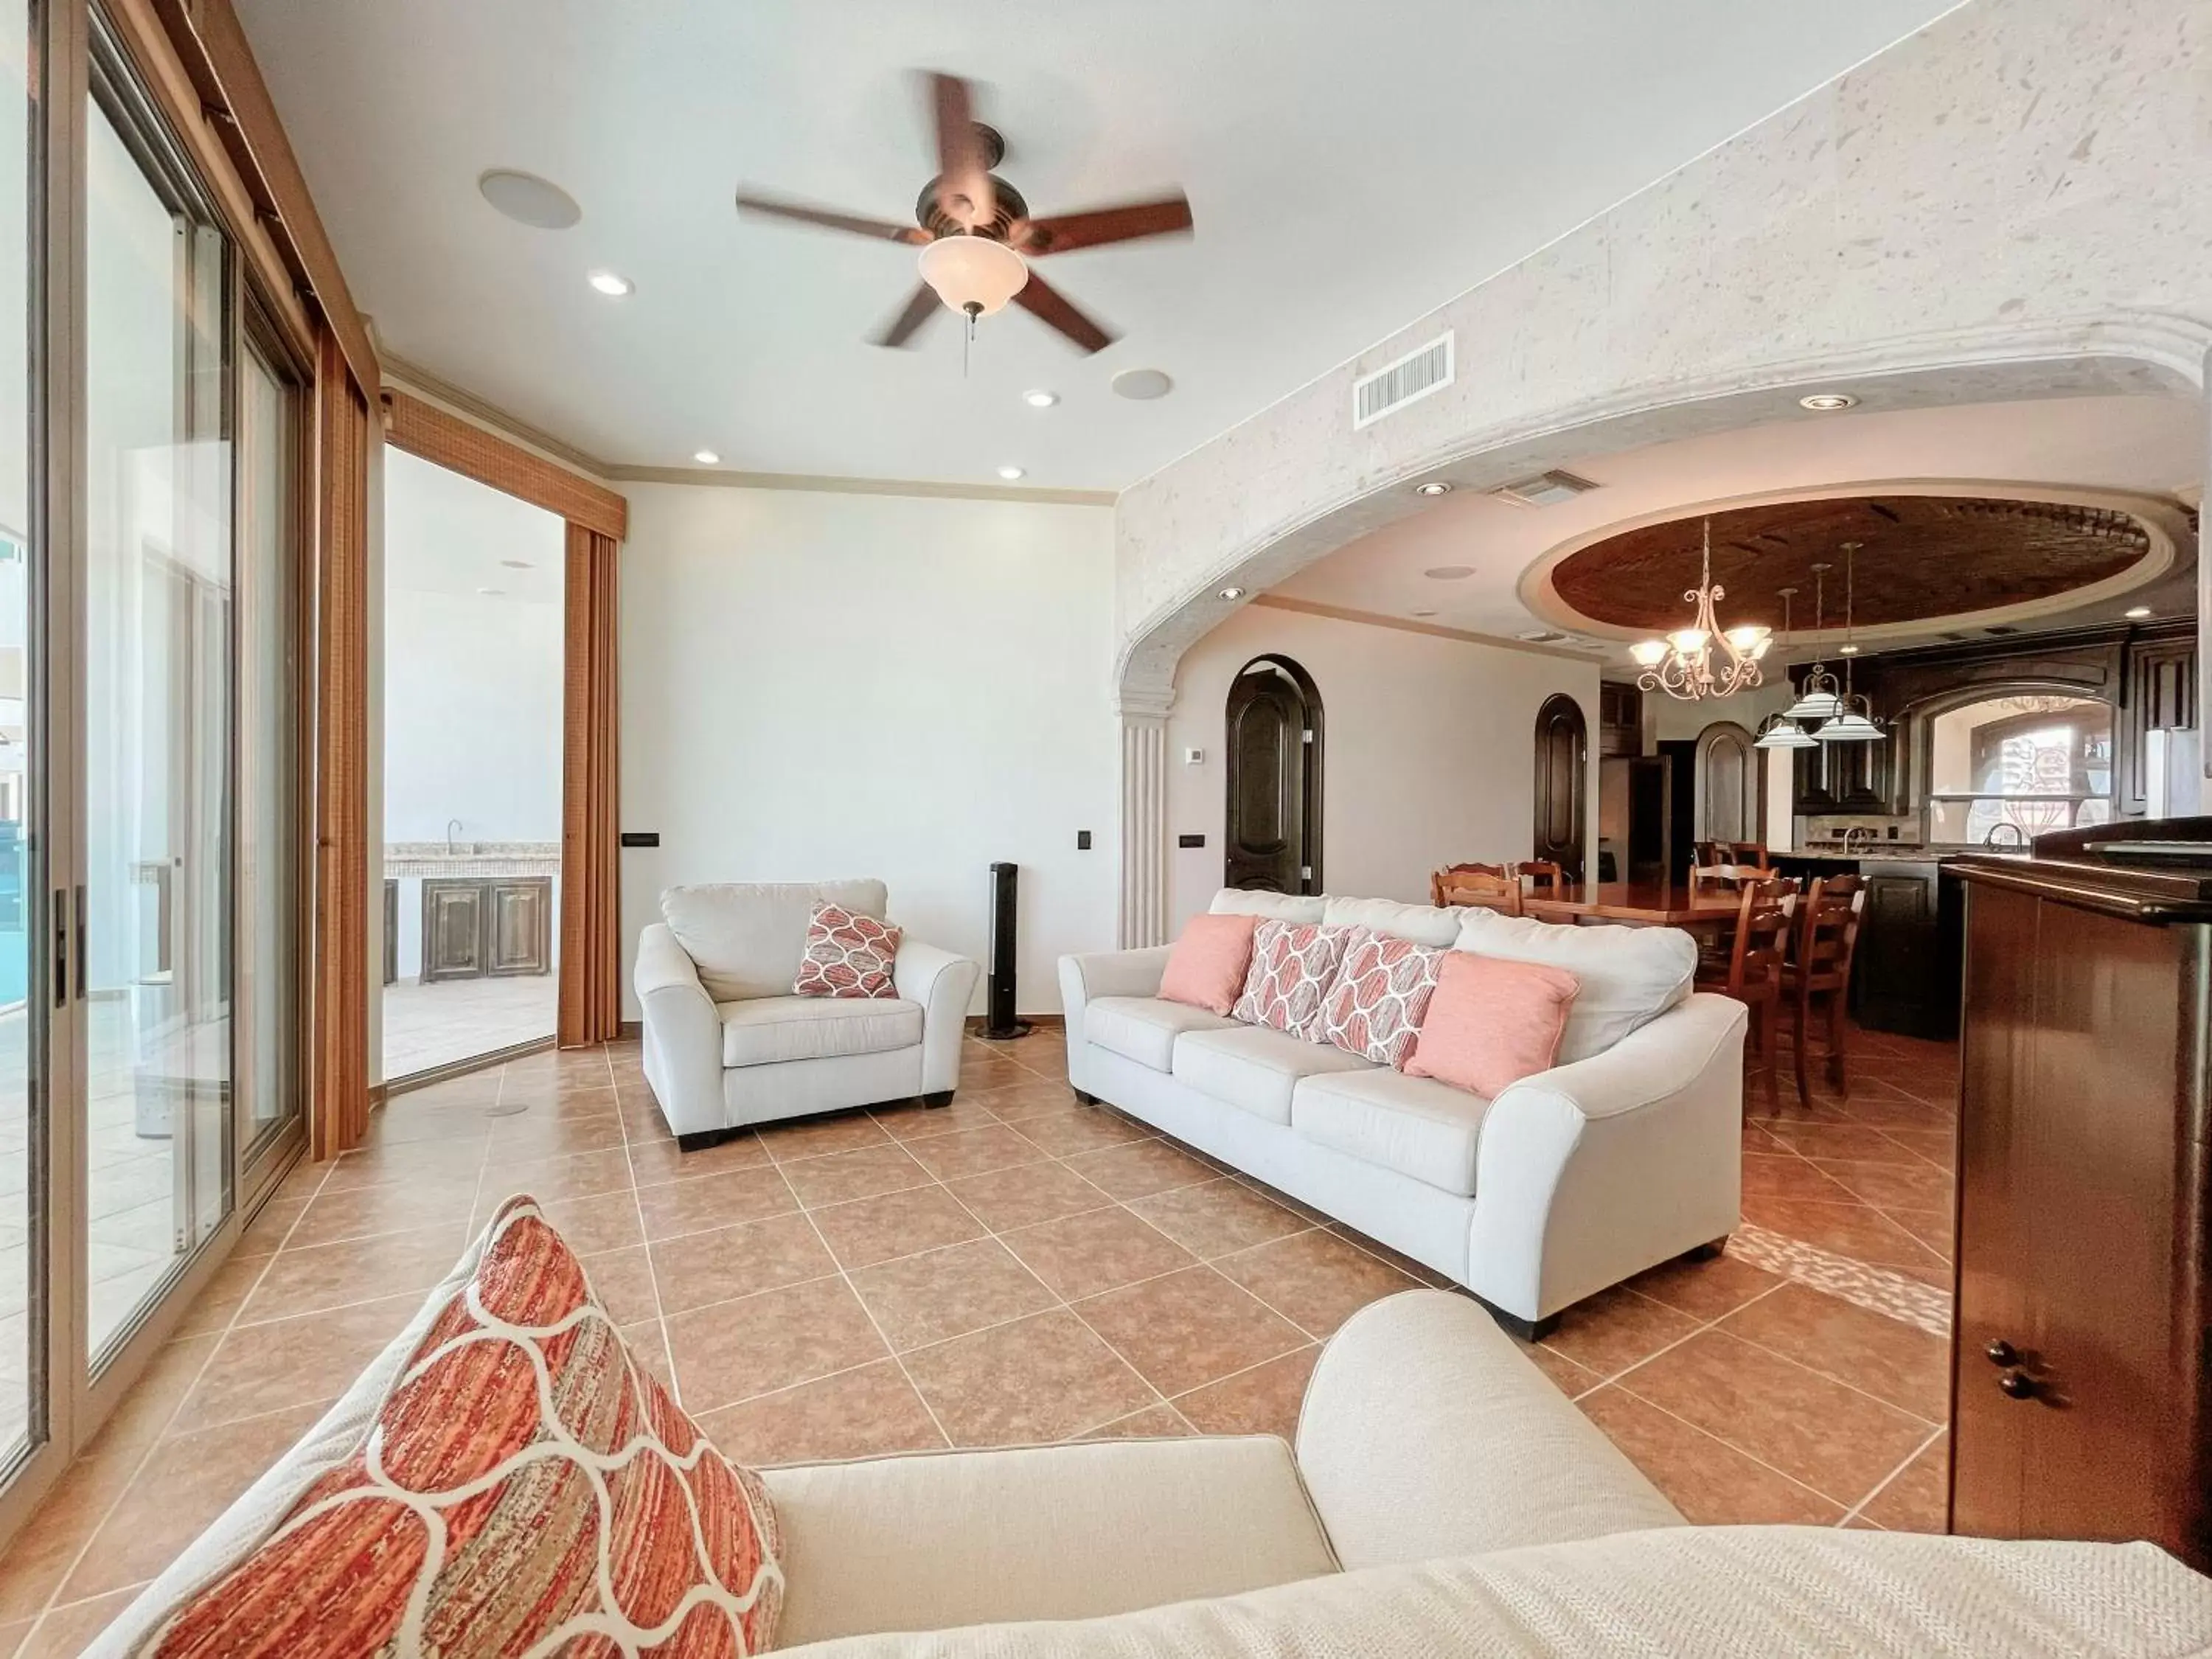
pixel 339 1114
pixel 590 921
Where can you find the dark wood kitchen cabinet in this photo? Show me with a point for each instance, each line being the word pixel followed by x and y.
pixel 486 926
pixel 2082 1366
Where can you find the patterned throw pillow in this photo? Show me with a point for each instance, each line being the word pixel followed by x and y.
pixel 526 1486
pixel 1292 967
pixel 1382 991
pixel 848 954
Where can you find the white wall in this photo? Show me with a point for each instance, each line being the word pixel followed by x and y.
pixel 1431 749
pixel 826 684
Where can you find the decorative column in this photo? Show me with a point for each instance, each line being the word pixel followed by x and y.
pixel 1142 915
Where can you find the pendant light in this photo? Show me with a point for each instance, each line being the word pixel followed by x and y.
pixel 1779 731
pixel 1818 698
pixel 1855 721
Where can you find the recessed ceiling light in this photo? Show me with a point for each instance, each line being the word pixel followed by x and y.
pixel 491 592
pixel 1040 399
pixel 1232 592
pixel 1434 487
pixel 706 458
pixel 1449 573
pixel 1848 650
pixel 1826 402
pixel 518 564
pixel 1010 473
pixel 529 200
pixel 1142 384
pixel 2136 612
pixel 611 285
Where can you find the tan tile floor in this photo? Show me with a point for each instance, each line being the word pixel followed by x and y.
pixel 1016 1268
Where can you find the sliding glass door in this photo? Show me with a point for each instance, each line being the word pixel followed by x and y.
pixel 22 1024
pixel 156 601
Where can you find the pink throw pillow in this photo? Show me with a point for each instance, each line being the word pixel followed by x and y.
pixel 1206 968
pixel 1491 1022
pixel 1292 967
pixel 1381 996
pixel 848 954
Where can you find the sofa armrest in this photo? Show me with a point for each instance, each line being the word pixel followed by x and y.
pixel 683 1034
pixel 1591 1172
pixel 1103 974
pixel 1425 1432
pixel 943 984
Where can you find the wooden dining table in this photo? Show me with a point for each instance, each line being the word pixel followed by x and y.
pixel 1636 904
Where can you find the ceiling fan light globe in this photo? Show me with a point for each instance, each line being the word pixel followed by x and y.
pixel 973 274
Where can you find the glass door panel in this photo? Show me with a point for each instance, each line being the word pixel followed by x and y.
pixel 269 812
pixel 22 1272
pixel 157 624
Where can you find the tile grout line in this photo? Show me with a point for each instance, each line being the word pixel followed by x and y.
pixel 866 1312
pixel 1857 1509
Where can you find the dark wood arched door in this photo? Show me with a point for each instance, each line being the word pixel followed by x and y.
pixel 1274 748
pixel 1562 788
pixel 1726 801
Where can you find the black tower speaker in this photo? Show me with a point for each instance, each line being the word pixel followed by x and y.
pixel 998 1021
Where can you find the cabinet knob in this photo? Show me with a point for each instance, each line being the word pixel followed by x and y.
pixel 2002 1353
pixel 2017 1385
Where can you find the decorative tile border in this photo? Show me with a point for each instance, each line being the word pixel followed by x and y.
pixel 1878 1290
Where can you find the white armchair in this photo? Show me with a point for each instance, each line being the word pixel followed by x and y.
pixel 727 1045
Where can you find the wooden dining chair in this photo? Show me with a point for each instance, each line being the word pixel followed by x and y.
pixel 1744 852
pixel 1481 886
pixel 1751 971
pixel 1441 881
pixel 1725 878
pixel 1540 877
pixel 1817 977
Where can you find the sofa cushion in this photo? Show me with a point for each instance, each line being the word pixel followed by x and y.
pixel 506 1477
pixel 1492 1022
pixel 1144 1029
pixel 1208 966
pixel 1381 995
pixel 1414 1125
pixel 1303 909
pixel 1630 976
pixel 1293 965
pixel 747 936
pixel 767 1030
pixel 847 954
pixel 1254 1068
pixel 941 1539
pixel 1417 924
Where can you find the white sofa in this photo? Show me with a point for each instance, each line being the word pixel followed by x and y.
pixel 1443 1500
pixel 1626 1154
pixel 728 1044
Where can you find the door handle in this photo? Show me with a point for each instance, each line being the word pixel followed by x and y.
pixel 61 947
pixel 82 953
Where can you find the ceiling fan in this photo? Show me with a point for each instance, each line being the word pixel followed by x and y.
pixel 976 234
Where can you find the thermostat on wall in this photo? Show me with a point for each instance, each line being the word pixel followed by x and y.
pixel 1194 757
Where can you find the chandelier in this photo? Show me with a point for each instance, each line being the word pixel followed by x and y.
pixel 1701 661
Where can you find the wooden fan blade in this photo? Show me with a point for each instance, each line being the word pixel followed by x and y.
pixel 1063 231
pixel 963 190
pixel 881 229
pixel 918 310
pixel 1042 299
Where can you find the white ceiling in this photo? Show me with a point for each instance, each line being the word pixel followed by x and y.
pixel 2145 445
pixel 444 533
pixel 1349 167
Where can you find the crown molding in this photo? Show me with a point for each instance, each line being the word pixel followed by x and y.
pixel 834 484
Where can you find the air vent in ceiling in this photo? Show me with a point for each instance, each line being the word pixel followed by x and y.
pixel 1545 489
pixel 1545 636
pixel 2001 630
pixel 1406 380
